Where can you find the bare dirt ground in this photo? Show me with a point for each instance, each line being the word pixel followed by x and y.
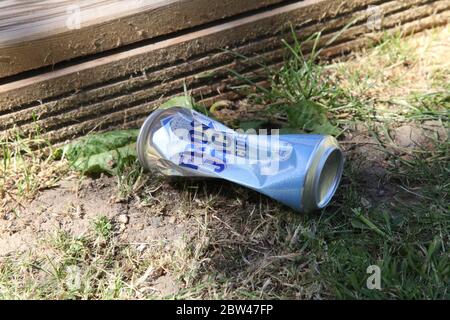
pixel 178 238
pixel 75 203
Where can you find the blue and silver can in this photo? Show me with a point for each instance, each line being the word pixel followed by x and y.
pixel 300 170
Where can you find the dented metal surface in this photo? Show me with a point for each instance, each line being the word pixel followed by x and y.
pixel 301 171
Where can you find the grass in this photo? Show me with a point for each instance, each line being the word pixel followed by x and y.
pixel 68 268
pixel 297 98
pixel 407 238
pixel 395 50
pixel 103 227
pixel 27 166
pixel 391 210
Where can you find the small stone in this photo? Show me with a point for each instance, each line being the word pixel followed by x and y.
pixel 156 222
pixel 409 136
pixel 142 33
pixel 7 216
pixel 142 247
pixel 172 219
pixel 366 203
pixel 123 219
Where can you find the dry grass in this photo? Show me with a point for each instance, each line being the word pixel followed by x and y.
pixel 391 102
pixel 25 169
pixel 390 75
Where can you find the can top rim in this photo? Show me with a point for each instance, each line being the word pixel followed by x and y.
pixel 328 176
pixel 323 175
pixel 143 136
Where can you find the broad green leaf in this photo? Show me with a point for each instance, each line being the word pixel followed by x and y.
pixel 288 130
pixel 104 152
pixel 252 124
pixel 180 101
pixel 310 117
pixel 97 143
pixel 106 162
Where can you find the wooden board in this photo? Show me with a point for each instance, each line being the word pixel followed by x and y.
pixel 37 33
pixel 121 89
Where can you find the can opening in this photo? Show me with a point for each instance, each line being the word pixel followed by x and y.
pixel 330 175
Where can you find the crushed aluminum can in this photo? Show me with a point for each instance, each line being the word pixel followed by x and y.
pixel 301 171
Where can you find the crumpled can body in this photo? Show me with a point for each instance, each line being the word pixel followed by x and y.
pixel 301 171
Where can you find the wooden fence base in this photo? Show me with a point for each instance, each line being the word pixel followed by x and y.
pixel 121 88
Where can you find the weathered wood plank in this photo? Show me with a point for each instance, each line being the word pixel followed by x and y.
pixel 164 53
pixel 134 116
pixel 41 33
pixel 173 50
pixel 213 67
pixel 126 99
